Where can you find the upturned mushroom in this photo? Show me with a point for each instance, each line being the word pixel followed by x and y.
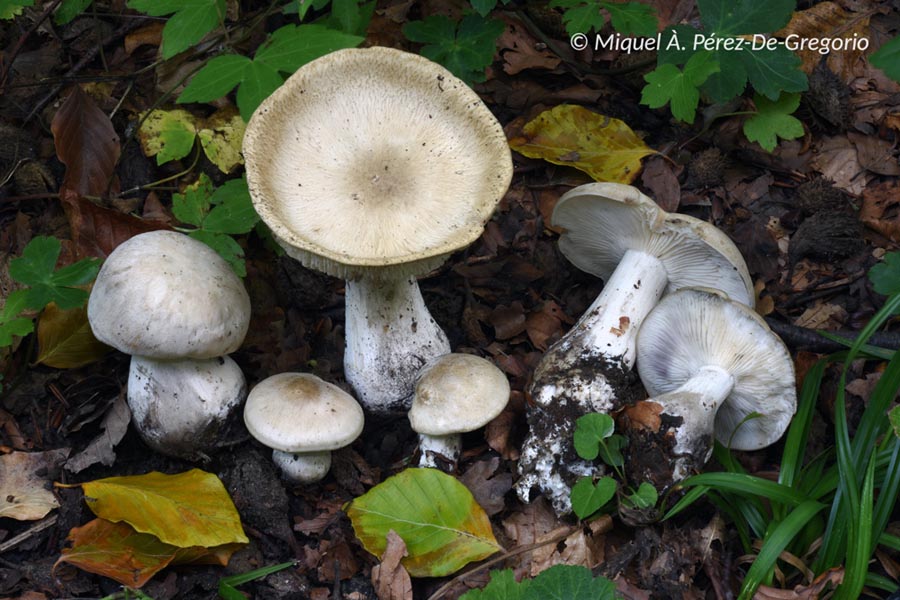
pixel 302 418
pixel 455 394
pixel 713 368
pixel 178 308
pixel 642 252
pixel 374 165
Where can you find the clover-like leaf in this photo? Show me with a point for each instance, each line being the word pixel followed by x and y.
pixel 588 497
pixel 885 276
pixel 590 430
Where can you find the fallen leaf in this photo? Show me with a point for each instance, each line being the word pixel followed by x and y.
pixel 117 551
pixel 826 19
pixel 149 34
pixel 497 433
pixel 837 160
pixel 875 154
pixel 544 326
pixel 186 509
pixel 101 449
pixel 390 579
pixel 170 134
pixel 65 338
pixel 832 577
pixel 86 143
pixel 442 525
pixel 487 487
pixel 337 561
pixel 24 494
pixel 822 316
pixel 603 147
pixel 508 321
pixel 221 137
pixel 659 178
pixel 96 231
pixel 584 547
pixel 880 209
pixel 520 50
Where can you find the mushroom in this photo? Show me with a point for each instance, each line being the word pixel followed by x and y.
pixel 374 165
pixel 642 252
pixel 302 418
pixel 455 394
pixel 712 367
pixel 178 308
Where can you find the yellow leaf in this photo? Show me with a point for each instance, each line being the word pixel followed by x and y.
pixel 187 509
pixel 167 134
pixel 221 136
pixel 65 339
pixel 570 135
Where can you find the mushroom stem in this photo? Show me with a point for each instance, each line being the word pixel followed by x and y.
pixel 671 435
pixel 446 446
pixel 390 335
pixel 303 467
pixel 586 371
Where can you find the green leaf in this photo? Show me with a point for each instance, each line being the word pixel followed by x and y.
pixel 669 84
pixel 484 7
pixel 192 206
pixel 587 498
pixel 771 72
pixel 68 10
pixel 738 17
pixel 10 322
pixel 885 276
pixel 580 16
pixel 569 582
pixel 894 418
pixel 773 120
pixel 730 80
pixel 465 48
pixel 502 586
pixel 191 20
pixel 351 16
pixel 227 584
pixel 590 430
pixel 443 527
pixel 644 497
pixel 260 80
pixel 37 262
pixel 632 18
pixel 215 79
pixel 291 47
pixel 233 211
pixel 227 248
pixel 35 268
pixel 9 9
pixel 887 58
pixel 167 134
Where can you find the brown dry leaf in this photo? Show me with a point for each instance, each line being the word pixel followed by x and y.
pixel 65 338
pixel 24 494
pixel 338 561
pixel 875 154
pixel 28 596
pixel 86 143
pixel 97 231
pixel 497 435
pixel 822 316
pixel 102 448
pixel 508 321
pixel 832 577
pixel 390 579
pixel 603 147
pixel 520 51
pixel 837 160
pixel 545 326
pixel 584 547
pixel 827 19
pixel 880 209
pixel 864 386
pixel 149 34
pixel 659 178
pixel 487 488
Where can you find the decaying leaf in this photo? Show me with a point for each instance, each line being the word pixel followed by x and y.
pixel 830 578
pixel 603 147
pixel 186 509
pixel 97 231
pixel 65 338
pixel 487 486
pixel 86 143
pixel 442 525
pixel 879 209
pixel 24 494
pixel 101 449
pixel 390 579
pixel 827 19
pixel 170 134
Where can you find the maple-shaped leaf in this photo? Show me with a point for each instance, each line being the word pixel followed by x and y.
pixel 580 16
pixel 632 18
pixel 667 84
pixel 465 48
pixel 774 120
pixel 887 58
pixel 191 20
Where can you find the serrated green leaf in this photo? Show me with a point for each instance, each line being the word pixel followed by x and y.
pixel 679 88
pixel 215 79
pixel 351 16
pixel 771 72
pixel 19 327
pixel 192 206
pixel 773 120
pixel 35 268
pixel 191 20
pixel 887 58
pixel 226 247
pixel 291 47
pixel 885 276
pixel 167 134
pixel 570 582
pixel 484 7
pixel 502 586
pixel 233 212
pixel 632 18
pixel 590 430
pixel 465 49
pixel 580 16
pixel 738 17
pixel 68 10
pixel 436 516
pixel 587 497
pixel 730 80
pixel 260 80
pixel 37 262
pixel 80 273
pixel 10 9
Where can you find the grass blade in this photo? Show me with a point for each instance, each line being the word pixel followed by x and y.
pixel 748 486
pixel 859 542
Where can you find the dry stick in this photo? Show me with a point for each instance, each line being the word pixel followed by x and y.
pixel 556 538
pixel 802 337
pixel 34 529
pixel 7 68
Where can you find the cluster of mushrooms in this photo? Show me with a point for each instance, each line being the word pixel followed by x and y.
pixel 374 165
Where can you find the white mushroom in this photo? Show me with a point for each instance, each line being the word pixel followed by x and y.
pixel 374 165
pixel 302 418
pixel 711 367
pixel 642 252
pixel 455 394
pixel 178 308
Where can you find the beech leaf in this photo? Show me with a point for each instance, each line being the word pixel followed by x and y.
pixel 24 484
pixel 604 148
pixel 65 338
pixel 186 509
pixel 86 143
pixel 436 516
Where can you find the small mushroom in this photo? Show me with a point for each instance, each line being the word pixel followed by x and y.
pixel 642 252
pixel 178 308
pixel 455 394
pixel 712 368
pixel 374 165
pixel 302 418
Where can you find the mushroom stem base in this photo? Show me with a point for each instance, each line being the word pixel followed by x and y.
pixel 439 451
pixel 306 467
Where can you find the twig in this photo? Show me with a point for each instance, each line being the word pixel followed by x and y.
pixel 809 339
pixel 7 68
pixel 33 530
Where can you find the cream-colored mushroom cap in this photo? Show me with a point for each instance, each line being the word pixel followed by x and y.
pixel 375 157
pixel 299 412
pixel 457 393
pixel 692 329
pixel 165 295
pixel 603 220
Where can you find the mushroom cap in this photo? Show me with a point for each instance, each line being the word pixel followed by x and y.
pixel 164 295
pixel 603 220
pixel 375 157
pixel 299 412
pixel 457 393
pixel 694 328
